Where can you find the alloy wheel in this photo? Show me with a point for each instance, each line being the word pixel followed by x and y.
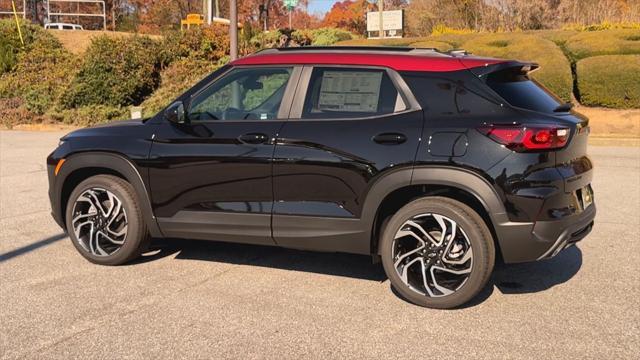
pixel 432 255
pixel 99 222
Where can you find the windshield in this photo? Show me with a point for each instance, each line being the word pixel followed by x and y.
pixel 521 91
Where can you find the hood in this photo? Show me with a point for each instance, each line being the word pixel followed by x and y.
pixel 117 127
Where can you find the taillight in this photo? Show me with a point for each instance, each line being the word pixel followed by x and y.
pixel 528 138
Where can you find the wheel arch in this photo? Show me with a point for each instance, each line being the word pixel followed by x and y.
pixel 459 184
pixel 81 166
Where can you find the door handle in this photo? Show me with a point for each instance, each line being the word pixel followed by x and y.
pixel 390 138
pixel 253 138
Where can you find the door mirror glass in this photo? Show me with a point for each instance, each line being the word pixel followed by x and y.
pixel 175 113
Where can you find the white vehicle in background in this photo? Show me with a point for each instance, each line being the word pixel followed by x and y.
pixel 63 26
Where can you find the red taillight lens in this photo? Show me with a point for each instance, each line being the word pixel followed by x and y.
pixel 524 138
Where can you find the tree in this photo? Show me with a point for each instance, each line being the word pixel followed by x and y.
pixel 349 15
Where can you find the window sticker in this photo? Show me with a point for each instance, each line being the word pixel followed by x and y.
pixel 355 91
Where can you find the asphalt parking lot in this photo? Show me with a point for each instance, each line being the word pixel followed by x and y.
pixel 194 299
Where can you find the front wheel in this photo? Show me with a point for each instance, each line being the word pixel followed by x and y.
pixel 437 252
pixel 104 220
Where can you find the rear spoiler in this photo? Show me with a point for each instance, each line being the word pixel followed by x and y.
pixel 524 67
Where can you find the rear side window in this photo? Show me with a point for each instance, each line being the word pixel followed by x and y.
pixel 521 91
pixel 350 93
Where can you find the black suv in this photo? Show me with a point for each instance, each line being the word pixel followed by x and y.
pixel 433 163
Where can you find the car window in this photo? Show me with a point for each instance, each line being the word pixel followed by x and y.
pixel 441 96
pixel 521 91
pixel 242 94
pixel 67 27
pixel 350 93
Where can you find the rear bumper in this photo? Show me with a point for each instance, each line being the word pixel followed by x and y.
pixel 564 233
pixel 522 242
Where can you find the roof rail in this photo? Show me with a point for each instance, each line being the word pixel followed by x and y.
pixel 400 49
pixel 458 52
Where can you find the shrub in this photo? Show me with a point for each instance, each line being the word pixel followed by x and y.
pixel 329 36
pixel 204 43
pixel 457 41
pixel 381 42
pixel 41 75
pixel 555 70
pixel 7 56
pixel 13 112
pixel 605 25
pixel 610 42
pixel 271 39
pixel 115 72
pixel 302 37
pixel 610 81
pixel 176 79
pixel 89 115
pixel 441 29
pixel 10 45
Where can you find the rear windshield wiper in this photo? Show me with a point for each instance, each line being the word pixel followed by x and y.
pixel 563 108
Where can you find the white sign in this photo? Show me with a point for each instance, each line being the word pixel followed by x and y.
pixel 392 20
pixel 350 91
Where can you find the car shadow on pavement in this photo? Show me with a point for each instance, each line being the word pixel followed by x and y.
pixel 31 247
pixel 507 278
pixel 338 264
pixel 537 276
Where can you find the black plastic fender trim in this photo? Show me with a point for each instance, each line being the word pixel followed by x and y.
pixel 462 179
pixel 117 163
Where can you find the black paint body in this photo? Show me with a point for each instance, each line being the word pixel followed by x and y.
pixel 322 184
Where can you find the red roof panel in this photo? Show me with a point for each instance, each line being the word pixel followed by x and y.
pixel 398 62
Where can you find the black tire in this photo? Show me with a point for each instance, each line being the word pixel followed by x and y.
pixel 477 233
pixel 136 239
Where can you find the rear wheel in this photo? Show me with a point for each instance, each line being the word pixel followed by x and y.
pixel 104 221
pixel 437 252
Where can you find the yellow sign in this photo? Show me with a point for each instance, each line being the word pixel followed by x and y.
pixel 192 19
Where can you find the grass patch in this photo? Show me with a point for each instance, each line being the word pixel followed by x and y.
pixel 609 42
pixel 499 43
pixel 557 36
pixel 610 81
pixel 438 45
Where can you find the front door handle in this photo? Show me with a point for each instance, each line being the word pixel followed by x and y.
pixel 254 138
pixel 390 138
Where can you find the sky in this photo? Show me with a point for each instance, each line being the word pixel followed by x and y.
pixel 320 6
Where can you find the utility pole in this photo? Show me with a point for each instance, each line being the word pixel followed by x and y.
pixel 380 11
pixel 233 29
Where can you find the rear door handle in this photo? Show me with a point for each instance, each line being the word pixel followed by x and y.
pixel 254 138
pixel 390 138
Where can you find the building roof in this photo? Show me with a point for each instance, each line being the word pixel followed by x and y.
pixel 397 58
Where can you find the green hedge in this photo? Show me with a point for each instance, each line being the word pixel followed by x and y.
pixel 381 42
pixel 116 72
pixel 555 70
pixel 606 42
pixel 10 45
pixel 40 75
pixel 176 79
pixel 610 81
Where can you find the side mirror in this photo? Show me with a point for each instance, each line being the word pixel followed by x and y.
pixel 175 113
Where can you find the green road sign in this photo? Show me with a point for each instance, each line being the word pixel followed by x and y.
pixel 290 3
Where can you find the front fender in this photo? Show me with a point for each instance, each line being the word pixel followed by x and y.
pixel 102 160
